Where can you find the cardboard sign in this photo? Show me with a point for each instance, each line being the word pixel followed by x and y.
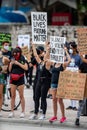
pixel 82 40
pixel 71 85
pixel 25 52
pixel 57 49
pixel 39 27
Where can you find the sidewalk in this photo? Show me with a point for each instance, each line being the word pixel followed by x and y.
pixel 29 105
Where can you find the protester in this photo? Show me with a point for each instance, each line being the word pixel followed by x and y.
pixel 6 49
pixel 57 68
pixel 4 61
pixel 40 50
pixel 73 66
pixel 17 68
pixel 42 85
pixel 82 69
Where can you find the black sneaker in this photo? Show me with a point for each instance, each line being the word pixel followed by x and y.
pixel 49 96
pixel 77 122
pixel 74 108
pixel 69 108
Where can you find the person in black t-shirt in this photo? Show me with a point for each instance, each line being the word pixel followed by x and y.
pixel 17 69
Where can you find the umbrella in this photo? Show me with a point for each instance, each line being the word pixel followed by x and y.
pixel 13 16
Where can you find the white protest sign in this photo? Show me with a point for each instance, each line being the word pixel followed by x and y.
pixel 24 40
pixel 39 27
pixel 57 49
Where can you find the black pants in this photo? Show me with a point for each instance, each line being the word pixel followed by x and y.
pixel 41 91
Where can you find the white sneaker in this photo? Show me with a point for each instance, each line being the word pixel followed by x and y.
pixel 0 114
pixel 22 115
pixel 11 115
pixel 42 117
pixel 33 117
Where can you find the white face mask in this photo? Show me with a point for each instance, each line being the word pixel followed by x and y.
pixel 70 51
pixel 6 48
pixel 83 56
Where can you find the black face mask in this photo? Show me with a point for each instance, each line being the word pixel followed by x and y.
pixel 41 57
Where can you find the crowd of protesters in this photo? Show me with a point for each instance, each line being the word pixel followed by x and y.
pixel 47 76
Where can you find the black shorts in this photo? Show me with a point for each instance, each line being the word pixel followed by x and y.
pixel 19 82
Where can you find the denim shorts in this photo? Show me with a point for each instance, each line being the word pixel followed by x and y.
pixel 2 79
pixel 54 86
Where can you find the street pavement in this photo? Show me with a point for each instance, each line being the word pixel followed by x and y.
pixel 29 105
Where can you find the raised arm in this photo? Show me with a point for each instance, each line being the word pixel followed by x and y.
pixel 35 54
pixel 47 48
pixel 66 63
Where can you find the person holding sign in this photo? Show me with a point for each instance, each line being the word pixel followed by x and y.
pixel 73 66
pixel 56 69
pixel 82 103
pixel 42 84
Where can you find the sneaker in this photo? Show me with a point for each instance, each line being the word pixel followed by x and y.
pixel 74 108
pixel 69 108
pixel 33 117
pixel 22 115
pixel 42 117
pixel 63 119
pixel 77 122
pixel 49 96
pixel 11 115
pixel 54 118
pixel 0 114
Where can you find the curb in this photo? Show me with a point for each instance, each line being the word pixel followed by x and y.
pixel 42 123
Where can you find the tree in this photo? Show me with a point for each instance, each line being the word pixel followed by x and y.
pixel 82 9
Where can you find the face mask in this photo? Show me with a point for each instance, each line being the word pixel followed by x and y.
pixel 17 56
pixel 70 51
pixel 6 48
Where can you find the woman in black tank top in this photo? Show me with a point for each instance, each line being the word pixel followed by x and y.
pixel 56 69
pixel 42 86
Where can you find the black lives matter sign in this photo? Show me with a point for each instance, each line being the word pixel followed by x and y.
pixel 57 49
pixel 39 27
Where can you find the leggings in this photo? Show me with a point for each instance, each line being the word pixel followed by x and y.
pixel 41 91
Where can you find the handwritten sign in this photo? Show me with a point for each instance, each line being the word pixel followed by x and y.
pixel 39 27
pixel 24 40
pixel 82 40
pixel 57 49
pixel 71 85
